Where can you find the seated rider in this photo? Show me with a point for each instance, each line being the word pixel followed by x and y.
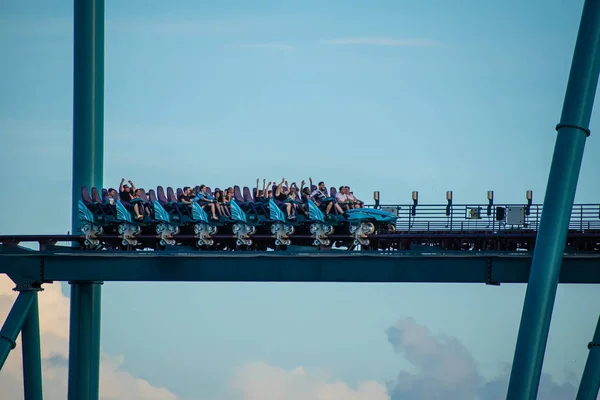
pixel 125 191
pixel 260 193
pixel 284 194
pixel 139 206
pixel 342 199
pixel 184 200
pixel 352 200
pixel 186 196
pixel 319 195
pixel 111 198
pixel 207 201
pixel 218 196
pixel 301 199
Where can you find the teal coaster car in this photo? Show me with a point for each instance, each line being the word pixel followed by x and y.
pixel 358 225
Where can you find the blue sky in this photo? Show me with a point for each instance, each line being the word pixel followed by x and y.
pixel 388 95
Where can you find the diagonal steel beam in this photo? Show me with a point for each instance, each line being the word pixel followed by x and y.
pixel 590 380
pixel 32 355
pixel 560 193
pixel 13 324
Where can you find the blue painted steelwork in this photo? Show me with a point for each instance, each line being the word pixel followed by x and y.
pixel 32 358
pixel 590 380
pixel 88 100
pixel 84 344
pixel 329 266
pixel 13 324
pixel 88 159
pixel 560 193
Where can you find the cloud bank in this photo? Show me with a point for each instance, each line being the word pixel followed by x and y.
pixel 115 383
pixel 444 368
pixel 382 41
pixel 271 46
pixel 260 381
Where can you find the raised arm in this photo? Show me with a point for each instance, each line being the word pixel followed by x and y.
pixel 278 190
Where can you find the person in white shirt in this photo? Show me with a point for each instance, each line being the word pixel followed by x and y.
pixel 319 195
pixel 342 198
pixel 352 200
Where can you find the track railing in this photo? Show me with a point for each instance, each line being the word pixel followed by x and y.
pixel 483 217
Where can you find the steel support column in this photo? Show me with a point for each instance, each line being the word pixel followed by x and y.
pixel 88 100
pixel 88 159
pixel 32 357
pixel 558 202
pixel 13 324
pixel 590 380
pixel 84 344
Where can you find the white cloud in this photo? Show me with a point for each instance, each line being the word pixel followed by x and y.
pixel 382 41
pixel 115 383
pixel 272 46
pixel 444 368
pixel 260 381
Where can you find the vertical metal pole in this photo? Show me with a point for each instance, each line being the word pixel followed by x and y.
pixel 590 380
pixel 84 344
pixel 88 159
pixel 95 339
pixel 558 203
pixel 88 100
pixel 32 357
pixel 13 324
pixel 79 342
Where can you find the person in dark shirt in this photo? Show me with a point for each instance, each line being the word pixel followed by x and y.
pixel 126 191
pixel 284 195
pixel 186 196
pixel 324 201
pixel 139 206
pixel 218 196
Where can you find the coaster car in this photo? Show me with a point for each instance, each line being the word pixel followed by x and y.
pixel 359 223
pixel 172 223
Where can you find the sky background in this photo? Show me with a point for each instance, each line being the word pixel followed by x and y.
pixel 393 96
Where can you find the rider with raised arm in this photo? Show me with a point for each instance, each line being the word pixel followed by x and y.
pixel 126 191
pixel 261 193
pixel 283 194
pixel 300 197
